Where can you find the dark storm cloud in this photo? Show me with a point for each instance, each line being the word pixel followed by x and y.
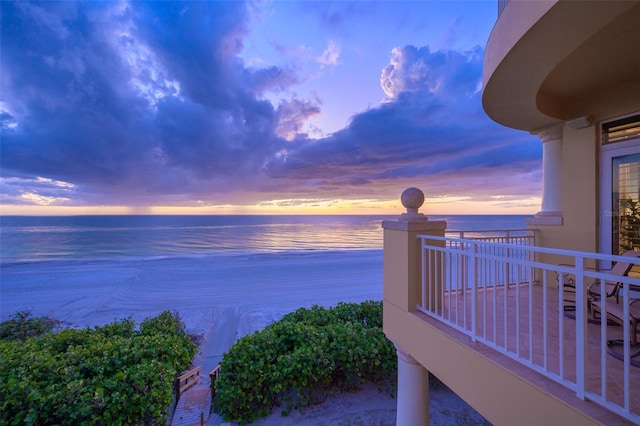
pixel 145 103
pixel 148 97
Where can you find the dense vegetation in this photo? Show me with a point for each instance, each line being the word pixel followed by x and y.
pixel 23 325
pixel 114 374
pixel 299 360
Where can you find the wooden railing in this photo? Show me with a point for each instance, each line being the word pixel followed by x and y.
pixel 213 377
pixel 186 380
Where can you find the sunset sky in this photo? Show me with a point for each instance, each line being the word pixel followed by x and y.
pixel 261 107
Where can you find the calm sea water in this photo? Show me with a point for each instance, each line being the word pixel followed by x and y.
pixel 32 239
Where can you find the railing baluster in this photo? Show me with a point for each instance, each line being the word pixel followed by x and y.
pixel 442 270
pixel 495 311
pixel 464 293
pixel 473 278
pixel 423 273
pixel 431 271
pixel 603 343
pixel 544 320
pixel 460 288
pixel 454 285
pixel 560 333
pixel 487 279
pixel 437 285
pixel 505 330
pixel 530 283
pixel 451 279
pixel 581 329
pixel 626 334
pixel 518 319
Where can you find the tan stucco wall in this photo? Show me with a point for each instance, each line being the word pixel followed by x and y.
pixel 401 272
pixel 579 190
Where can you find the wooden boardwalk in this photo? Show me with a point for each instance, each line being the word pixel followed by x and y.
pixel 194 405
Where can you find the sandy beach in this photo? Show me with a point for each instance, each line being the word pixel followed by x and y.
pixel 221 298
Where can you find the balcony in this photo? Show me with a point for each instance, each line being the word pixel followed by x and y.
pixel 492 289
pixel 486 313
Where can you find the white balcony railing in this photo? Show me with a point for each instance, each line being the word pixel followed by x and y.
pixel 498 289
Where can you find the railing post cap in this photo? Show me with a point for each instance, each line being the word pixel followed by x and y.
pixel 412 199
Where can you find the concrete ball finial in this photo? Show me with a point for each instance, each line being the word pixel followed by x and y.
pixel 412 199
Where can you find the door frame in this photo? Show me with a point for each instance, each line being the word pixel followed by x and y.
pixel 607 212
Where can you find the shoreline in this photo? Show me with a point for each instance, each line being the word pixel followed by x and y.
pixel 89 293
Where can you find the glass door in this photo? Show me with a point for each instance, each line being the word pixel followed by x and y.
pixel 620 197
pixel 625 197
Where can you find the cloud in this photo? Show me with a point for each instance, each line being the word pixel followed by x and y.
pixel 293 114
pixel 330 55
pixel 431 132
pixel 448 74
pixel 142 104
pixel 135 101
pixel 40 191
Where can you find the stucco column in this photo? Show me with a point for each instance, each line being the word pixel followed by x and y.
pixel 413 391
pixel 551 208
pixel 402 265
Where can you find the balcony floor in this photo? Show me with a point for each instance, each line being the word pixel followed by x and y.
pixel 530 340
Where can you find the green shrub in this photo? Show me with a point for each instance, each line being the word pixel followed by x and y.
pixel 112 374
pixel 22 325
pixel 300 359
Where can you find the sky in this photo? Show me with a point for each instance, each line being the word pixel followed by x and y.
pixel 231 107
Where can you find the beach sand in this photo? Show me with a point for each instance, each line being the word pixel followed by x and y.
pixel 221 298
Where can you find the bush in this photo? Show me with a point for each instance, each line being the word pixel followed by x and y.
pixel 113 374
pixel 22 325
pixel 300 359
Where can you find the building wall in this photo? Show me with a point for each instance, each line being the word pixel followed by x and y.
pixel 580 190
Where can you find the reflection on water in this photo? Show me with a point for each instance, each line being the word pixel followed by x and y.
pixel 49 238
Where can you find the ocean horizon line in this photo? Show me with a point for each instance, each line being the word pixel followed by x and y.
pixel 257 214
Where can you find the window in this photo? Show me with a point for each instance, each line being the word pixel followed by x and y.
pixel 621 130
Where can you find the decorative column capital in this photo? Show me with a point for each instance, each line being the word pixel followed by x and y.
pixel 412 199
pixel 550 133
pixel 402 355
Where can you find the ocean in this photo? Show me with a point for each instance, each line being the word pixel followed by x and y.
pixel 37 239
pixel 226 275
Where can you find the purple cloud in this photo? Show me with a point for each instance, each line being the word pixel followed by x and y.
pixel 149 103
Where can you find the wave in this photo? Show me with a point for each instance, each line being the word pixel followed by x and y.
pixel 293 254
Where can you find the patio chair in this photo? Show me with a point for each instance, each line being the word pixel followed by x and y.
pixel 614 306
pixel 569 286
